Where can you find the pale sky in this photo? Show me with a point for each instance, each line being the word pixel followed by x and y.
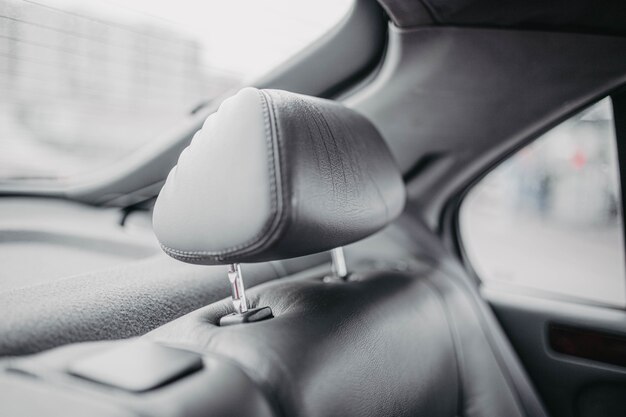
pixel 247 37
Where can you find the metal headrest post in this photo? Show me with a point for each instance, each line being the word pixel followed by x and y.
pixel 339 267
pixel 240 303
pixel 243 313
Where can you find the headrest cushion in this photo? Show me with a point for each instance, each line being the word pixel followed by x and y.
pixel 274 175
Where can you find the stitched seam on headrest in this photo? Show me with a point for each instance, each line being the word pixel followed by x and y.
pixel 277 211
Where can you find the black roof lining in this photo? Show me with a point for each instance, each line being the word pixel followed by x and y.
pixel 607 17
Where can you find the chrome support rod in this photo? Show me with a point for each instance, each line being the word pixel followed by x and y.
pixel 340 269
pixel 238 291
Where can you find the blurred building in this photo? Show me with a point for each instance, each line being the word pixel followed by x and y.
pixel 81 88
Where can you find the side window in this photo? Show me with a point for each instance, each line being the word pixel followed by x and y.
pixel 549 218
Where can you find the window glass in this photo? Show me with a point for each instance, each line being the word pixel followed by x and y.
pixel 86 82
pixel 549 218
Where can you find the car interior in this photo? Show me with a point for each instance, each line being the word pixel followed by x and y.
pixel 359 192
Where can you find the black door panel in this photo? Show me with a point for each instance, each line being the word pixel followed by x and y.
pixel 569 385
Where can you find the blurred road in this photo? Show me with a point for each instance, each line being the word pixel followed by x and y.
pixel 581 261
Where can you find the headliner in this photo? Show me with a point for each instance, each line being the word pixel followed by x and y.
pixel 586 16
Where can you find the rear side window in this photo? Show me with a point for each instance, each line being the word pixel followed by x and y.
pixel 549 218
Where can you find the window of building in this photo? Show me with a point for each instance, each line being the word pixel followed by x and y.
pixel 549 218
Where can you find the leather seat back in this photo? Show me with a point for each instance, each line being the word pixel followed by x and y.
pixel 385 343
pixel 374 347
pixel 394 340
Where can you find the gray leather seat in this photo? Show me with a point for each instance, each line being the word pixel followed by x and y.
pixel 404 335
pixel 384 343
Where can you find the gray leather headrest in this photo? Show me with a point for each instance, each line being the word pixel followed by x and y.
pixel 275 175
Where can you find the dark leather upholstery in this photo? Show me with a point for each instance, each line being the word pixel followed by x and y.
pixel 386 344
pixel 379 346
pixel 407 335
pixel 328 176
